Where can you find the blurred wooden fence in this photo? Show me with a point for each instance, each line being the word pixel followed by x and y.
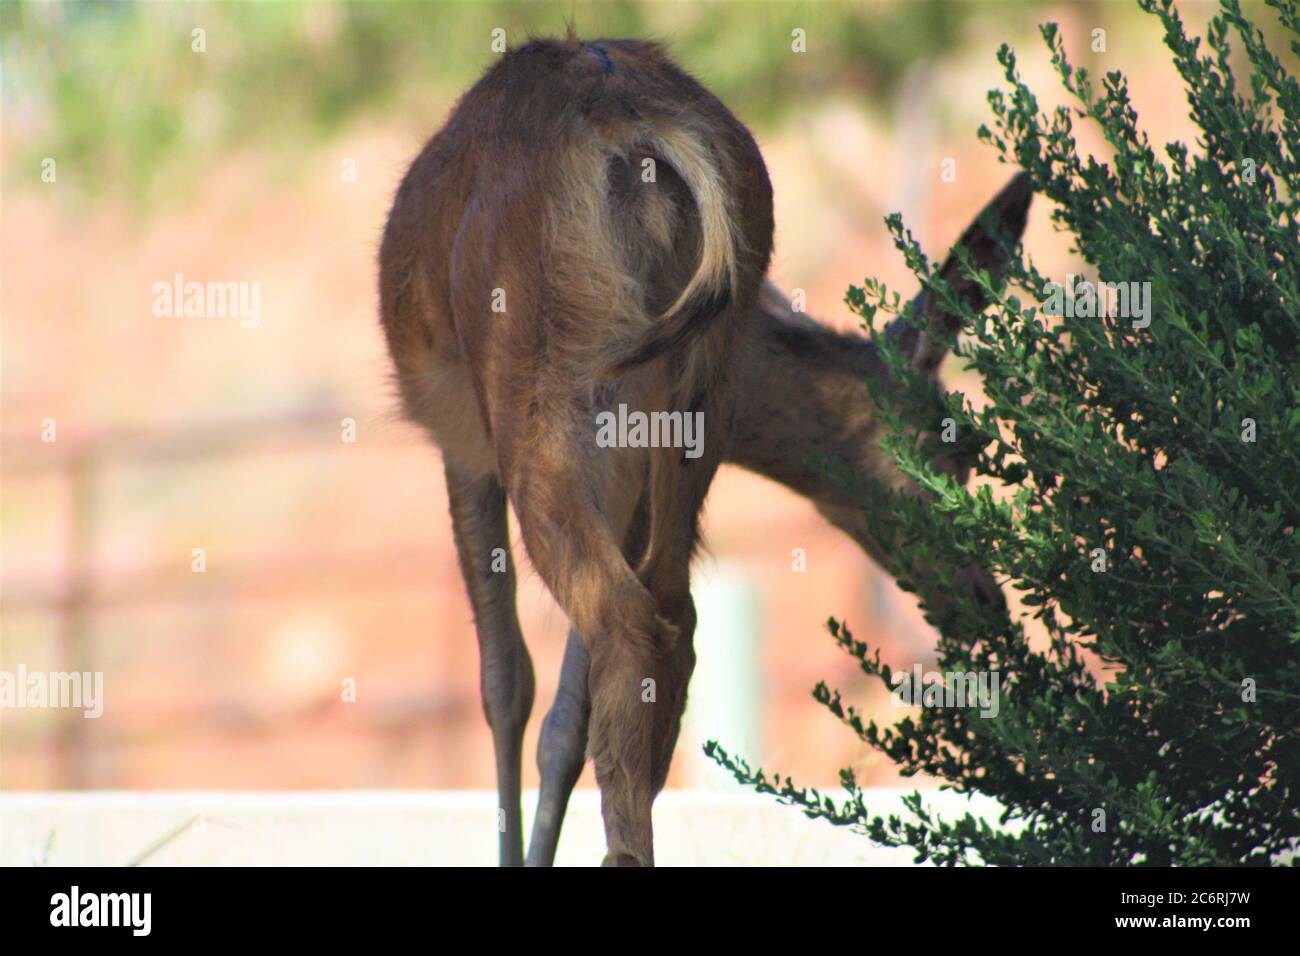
pixel 80 460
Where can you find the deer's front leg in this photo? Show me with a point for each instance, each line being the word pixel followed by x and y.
pixel 478 518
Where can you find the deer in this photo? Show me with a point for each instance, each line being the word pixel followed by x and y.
pixel 589 229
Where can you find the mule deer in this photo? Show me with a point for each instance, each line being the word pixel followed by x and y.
pixel 591 228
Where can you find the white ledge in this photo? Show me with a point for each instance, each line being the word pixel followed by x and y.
pixel 420 828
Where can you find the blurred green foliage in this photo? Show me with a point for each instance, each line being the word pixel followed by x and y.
pixel 115 92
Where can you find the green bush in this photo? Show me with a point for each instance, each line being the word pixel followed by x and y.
pixel 1153 470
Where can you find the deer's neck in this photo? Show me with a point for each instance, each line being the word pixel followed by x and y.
pixel 803 394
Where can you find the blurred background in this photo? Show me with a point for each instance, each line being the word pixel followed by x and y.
pixel 229 520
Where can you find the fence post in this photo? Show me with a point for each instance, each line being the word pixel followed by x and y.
pixel 725 690
pixel 76 640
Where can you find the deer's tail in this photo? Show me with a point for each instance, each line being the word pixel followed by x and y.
pixel 712 287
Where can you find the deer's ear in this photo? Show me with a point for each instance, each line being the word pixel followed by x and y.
pixel 989 241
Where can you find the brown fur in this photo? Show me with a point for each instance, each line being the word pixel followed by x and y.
pixel 803 386
pixel 616 291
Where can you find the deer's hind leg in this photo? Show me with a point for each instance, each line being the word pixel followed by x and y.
pixel 665 569
pixel 562 747
pixel 478 517
pixel 561 750
pixel 575 502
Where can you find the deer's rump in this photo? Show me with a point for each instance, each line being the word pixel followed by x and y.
pixel 586 210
